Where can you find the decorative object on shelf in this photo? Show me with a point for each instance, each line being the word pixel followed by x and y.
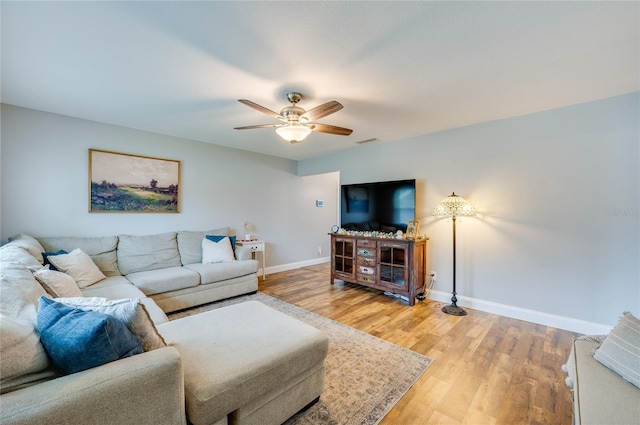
pixel 121 182
pixel 454 206
pixel 335 228
pixel 412 229
pixel 247 230
pixel 367 233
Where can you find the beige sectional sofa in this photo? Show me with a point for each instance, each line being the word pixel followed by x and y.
pixel 600 395
pixel 166 267
pixel 242 364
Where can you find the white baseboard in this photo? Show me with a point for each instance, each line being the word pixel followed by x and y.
pixel 541 318
pixel 292 266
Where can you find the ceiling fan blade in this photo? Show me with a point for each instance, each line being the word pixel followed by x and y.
pixel 261 108
pixel 322 110
pixel 248 127
pixel 332 129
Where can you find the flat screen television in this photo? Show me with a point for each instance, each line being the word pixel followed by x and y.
pixel 378 206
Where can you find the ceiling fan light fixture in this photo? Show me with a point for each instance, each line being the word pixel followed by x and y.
pixel 298 123
pixel 293 133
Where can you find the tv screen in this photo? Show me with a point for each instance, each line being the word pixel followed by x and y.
pixel 380 206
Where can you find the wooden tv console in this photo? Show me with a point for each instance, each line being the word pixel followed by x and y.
pixel 390 265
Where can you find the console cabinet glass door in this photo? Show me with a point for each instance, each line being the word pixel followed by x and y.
pixel 393 271
pixel 344 257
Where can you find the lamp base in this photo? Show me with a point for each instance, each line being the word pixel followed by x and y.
pixel 454 310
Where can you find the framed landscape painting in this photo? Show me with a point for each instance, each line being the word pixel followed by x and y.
pixel 120 182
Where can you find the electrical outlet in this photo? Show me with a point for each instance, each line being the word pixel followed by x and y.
pixel 434 275
pixel 319 250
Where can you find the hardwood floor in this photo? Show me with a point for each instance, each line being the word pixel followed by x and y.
pixel 488 369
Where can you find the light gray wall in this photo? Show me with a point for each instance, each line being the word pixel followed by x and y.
pixel 44 169
pixel 558 193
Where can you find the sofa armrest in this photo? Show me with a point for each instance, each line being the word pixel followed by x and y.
pixel 146 388
pixel 243 253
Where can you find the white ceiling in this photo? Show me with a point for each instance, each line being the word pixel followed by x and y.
pixel 400 69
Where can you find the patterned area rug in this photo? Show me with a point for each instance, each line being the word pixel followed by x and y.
pixel 366 376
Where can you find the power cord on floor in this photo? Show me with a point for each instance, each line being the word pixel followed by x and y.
pixel 421 296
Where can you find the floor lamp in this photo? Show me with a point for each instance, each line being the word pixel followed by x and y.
pixel 454 206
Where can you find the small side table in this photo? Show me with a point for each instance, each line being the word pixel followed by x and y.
pixel 256 246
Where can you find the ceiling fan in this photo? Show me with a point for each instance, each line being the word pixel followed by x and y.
pixel 298 123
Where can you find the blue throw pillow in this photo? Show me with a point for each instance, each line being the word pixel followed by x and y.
pixel 76 340
pixel 46 255
pixel 218 238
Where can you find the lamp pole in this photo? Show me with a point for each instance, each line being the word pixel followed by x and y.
pixel 453 308
pixel 454 299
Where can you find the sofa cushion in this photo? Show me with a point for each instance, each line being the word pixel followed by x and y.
pixel 203 294
pixel 118 287
pixel 147 252
pixel 164 280
pixel 77 340
pixel 23 358
pixel 101 249
pixel 30 244
pixel 223 372
pixel 57 284
pixel 79 266
pixel 217 252
pixel 105 283
pixel 130 311
pixel 620 351
pixel 190 244
pixel 217 272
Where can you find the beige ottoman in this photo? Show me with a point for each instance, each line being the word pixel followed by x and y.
pixel 247 364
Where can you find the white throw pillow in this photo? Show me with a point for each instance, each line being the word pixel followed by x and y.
pixel 131 311
pixel 79 266
pixel 29 243
pixel 217 252
pixel 57 284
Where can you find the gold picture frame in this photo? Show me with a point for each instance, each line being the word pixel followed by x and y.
pixel 412 229
pixel 126 183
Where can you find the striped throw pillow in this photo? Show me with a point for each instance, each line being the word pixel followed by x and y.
pixel 620 351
